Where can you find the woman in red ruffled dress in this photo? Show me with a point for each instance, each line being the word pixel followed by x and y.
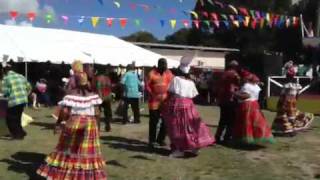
pixel 77 155
pixel 250 126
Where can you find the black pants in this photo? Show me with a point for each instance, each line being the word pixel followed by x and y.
pixel 227 118
pixel 154 120
pixel 107 110
pixel 14 121
pixel 134 102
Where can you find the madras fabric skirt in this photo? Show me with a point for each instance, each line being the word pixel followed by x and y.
pixel 185 128
pixel 77 155
pixel 251 126
pixel 288 118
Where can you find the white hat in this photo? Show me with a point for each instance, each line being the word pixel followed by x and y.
pixel 185 62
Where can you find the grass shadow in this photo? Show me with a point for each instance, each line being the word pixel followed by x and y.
pixel 243 147
pixel 25 162
pixel 132 145
pixel 142 158
pixel 45 126
pixel 115 163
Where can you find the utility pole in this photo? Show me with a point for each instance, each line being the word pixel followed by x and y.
pixel 318 20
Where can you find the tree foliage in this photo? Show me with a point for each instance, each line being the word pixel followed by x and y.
pixel 141 36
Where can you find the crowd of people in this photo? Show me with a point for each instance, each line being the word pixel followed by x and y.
pixel 171 112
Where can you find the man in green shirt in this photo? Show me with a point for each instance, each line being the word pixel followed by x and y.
pixel 16 89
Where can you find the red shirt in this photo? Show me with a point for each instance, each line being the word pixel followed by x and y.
pixel 157 85
pixel 228 85
pixel 103 85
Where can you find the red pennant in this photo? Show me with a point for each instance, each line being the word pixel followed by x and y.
pixel 13 14
pixel 205 14
pixel 123 22
pixel 31 16
pixel 244 11
pixel 214 16
pixel 254 24
pixel 133 6
pixel 109 22
pixel 196 23
pixel 185 23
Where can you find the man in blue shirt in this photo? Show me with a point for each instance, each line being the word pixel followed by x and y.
pixel 131 84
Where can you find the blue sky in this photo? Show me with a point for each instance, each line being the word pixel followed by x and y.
pixel 150 21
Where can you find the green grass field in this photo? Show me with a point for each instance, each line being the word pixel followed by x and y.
pixel 304 104
pixel 129 159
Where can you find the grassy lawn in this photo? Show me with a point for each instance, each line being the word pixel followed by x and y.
pixel 304 104
pixel 128 158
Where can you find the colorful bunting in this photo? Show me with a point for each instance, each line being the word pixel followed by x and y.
pixel 13 14
pixel 246 21
pixel 195 15
pixel 117 4
pixel 81 20
pixel 185 23
pixel 253 23
pixel 261 23
pixel 65 19
pixel 217 23
pixel 95 21
pixel 137 22
pixel 234 10
pixel 214 16
pixel 205 14
pixel 109 22
pixel 133 6
pixel 162 22
pixel 196 23
pixel 173 23
pixel 206 22
pixel 224 16
pixel 252 13
pixel 31 16
pixel 49 18
pixel 231 17
pixel 244 11
pixel 236 23
pixel 123 22
pixel 227 24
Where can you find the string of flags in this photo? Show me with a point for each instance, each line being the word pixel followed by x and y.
pixel 216 20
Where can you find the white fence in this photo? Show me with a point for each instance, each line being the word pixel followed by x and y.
pixel 273 80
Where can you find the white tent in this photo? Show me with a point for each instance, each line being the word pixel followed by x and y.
pixel 42 44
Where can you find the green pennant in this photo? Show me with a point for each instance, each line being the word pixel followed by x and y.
pixel 207 22
pixel 224 17
pixel 137 22
pixel 252 13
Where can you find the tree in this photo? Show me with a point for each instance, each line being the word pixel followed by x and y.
pixel 141 36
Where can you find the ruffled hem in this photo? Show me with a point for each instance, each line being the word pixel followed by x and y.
pixel 80 102
pixel 251 140
pixel 55 173
pixel 75 162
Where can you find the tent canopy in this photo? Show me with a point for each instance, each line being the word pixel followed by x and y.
pixel 56 45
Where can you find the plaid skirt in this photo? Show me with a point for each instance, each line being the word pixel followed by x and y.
pixel 250 126
pixel 77 155
pixel 288 118
pixel 185 128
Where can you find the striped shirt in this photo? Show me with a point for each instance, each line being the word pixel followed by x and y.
pixel 16 88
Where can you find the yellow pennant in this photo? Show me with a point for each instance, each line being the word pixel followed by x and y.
pixel 236 23
pixel 95 21
pixel 261 23
pixel 246 21
pixel 173 23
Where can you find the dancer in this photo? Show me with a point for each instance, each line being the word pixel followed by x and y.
pixel 250 126
pixel 289 120
pixel 77 155
pixel 186 131
pixel 157 85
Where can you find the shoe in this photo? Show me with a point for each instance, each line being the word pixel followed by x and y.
pixel 162 143
pixel 136 122
pixel 107 129
pixel 177 154
pixel 151 147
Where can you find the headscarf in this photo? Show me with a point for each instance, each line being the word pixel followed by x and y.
pixel 185 64
pixel 77 66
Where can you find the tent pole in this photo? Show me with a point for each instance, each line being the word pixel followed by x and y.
pixel 26 69
pixel 301 26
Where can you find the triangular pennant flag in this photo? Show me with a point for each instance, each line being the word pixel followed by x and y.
pixel 236 23
pixel 145 7
pixel 81 20
pixel 13 14
pixel 162 22
pixel 231 17
pixel 133 6
pixel 210 1
pixel 196 23
pixel 49 18
pixel 288 22
pixel 227 24
pixel 123 22
pixel 252 13
pixel 246 21
pixel 219 4
pixel 207 22
pixel 214 16
pixel 268 17
pixel 173 23
pixel 261 23
pixel 205 14
pixel 100 1
pixel 275 20
pixel 258 16
pixel 117 4
pixel 186 23
pixel 65 19
pixel 31 16
pixel 263 15
pixel 195 15
pixel 224 17
pixel 109 21
pixel 295 21
pixel 95 21
pixel 217 23
pixel 253 23
pixel 244 11
pixel 137 22
pixel 270 23
pixel 240 18
pixel 201 3
pixel 233 9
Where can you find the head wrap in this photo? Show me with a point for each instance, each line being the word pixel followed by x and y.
pixel 291 72
pixel 234 63
pixel 246 75
pixel 77 66
pixel 185 64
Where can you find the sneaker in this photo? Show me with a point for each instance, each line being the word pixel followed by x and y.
pixel 177 154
